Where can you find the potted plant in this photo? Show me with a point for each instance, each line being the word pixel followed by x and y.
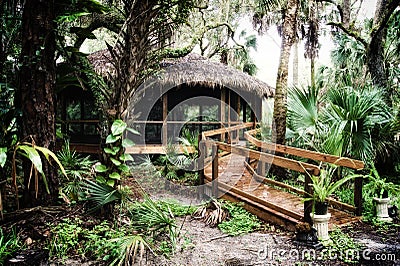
pixel 380 189
pixel 323 187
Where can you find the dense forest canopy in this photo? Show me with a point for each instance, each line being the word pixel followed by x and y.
pixel 348 109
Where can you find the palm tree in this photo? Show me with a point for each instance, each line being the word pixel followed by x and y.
pixel 350 116
pixel 303 116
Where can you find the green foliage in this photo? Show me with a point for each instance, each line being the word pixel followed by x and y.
pixel 377 185
pixel 148 218
pixel 116 166
pixel 324 186
pixel 350 116
pixel 8 244
pixel 102 241
pixel 240 221
pixel 77 168
pixel 345 195
pixel 344 246
pixel 303 116
pixel 176 208
pixel 66 238
pixel 101 194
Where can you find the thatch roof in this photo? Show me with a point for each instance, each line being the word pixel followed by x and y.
pixel 194 70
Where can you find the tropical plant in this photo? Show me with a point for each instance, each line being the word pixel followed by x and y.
pixel 240 221
pixel 324 186
pixel 8 244
pixel 78 168
pixel 378 186
pixel 148 218
pixel 110 173
pixel 303 116
pixel 130 247
pixel 100 194
pixel 31 152
pixel 350 116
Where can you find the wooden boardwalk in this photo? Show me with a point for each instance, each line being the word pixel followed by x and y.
pixel 237 183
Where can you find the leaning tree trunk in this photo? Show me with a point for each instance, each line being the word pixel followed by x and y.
pixel 288 38
pixel 37 81
pixel 375 49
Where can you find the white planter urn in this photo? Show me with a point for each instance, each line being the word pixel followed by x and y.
pixel 382 209
pixel 320 223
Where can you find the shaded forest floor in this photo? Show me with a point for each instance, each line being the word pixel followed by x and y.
pixel 199 244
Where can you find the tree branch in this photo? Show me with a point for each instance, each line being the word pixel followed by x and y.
pixel 349 32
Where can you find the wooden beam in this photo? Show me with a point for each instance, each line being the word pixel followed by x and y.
pixel 272 159
pixel 358 183
pixel 201 160
pixel 269 181
pixel 164 117
pixel 253 198
pixel 222 111
pixel 215 171
pixel 308 189
pixel 224 130
pixel 337 160
pixel 261 211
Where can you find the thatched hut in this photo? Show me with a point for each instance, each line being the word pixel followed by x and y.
pixel 190 93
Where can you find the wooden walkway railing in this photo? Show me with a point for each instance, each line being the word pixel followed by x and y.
pixel 209 149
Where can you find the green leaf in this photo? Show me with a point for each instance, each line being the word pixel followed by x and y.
pixel 126 157
pixel 115 161
pixel 111 138
pixel 118 127
pixel 48 153
pixel 126 143
pixel 134 131
pixel 124 168
pixel 100 168
pixel 110 151
pixel 3 156
pixel 110 182
pixel 100 179
pixel 115 175
pixel 33 156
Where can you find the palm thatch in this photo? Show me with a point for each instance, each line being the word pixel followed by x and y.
pixel 193 70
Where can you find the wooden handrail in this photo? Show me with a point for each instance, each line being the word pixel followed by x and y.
pixel 270 158
pixel 337 160
pixel 226 129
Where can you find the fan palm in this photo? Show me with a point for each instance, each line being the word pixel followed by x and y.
pixel 350 116
pixel 303 114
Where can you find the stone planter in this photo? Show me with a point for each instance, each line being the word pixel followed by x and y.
pixel 320 223
pixel 382 209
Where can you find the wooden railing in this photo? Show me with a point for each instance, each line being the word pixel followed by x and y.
pixel 265 155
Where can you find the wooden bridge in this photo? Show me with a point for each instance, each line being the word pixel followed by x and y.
pixel 237 173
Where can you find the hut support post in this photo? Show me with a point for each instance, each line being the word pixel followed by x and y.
pixel 308 189
pixel 214 171
pixel 237 116
pixel 358 183
pixel 222 111
pixel 165 114
pixel 200 161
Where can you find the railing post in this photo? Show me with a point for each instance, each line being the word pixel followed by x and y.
pixel 308 189
pixel 215 171
pixel 358 183
pixel 200 161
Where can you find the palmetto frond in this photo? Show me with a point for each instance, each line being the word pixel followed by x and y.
pixel 351 115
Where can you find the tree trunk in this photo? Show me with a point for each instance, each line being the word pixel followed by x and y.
pixel 288 37
pixel 37 81
pixel 375 49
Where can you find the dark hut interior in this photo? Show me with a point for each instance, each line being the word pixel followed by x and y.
pixel 191 94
